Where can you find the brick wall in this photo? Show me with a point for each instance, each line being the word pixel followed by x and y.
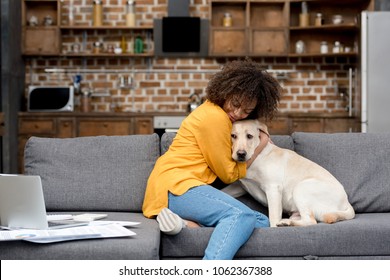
pixel 164 84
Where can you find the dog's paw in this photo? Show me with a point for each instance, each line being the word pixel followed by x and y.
pixel 284 223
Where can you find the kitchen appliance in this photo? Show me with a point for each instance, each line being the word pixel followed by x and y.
pixel 194 101
pixel 50 98
pixel 375 75
pixel 178 34
pixel 162 124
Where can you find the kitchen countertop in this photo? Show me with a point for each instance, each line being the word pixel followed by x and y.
pixel 152 114
pixel 101 114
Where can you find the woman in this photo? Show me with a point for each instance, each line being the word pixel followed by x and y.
pixel 180 183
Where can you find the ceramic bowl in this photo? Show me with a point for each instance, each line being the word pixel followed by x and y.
pixel 337 19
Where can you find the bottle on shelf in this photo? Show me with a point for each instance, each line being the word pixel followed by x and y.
pixel 123 44
pixel 318 20
pixel 138 45
pixel 130 13
pixel 304 15
pixel 97 13
pixel 71 13
pixel 130 46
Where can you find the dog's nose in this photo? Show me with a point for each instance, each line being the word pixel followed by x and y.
pixel 241 155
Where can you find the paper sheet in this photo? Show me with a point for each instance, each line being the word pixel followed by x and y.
pixel 109 230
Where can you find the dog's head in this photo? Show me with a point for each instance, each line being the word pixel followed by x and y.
pixel 245 138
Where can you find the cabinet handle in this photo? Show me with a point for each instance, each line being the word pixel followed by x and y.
pixel 105 124
pixel 229 49
pixel 36 126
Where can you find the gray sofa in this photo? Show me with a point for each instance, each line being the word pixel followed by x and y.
pixel 109 173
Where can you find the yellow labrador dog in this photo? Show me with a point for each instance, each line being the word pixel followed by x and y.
pixel 285 181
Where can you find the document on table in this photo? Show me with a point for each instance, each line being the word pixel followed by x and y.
pixel 56 235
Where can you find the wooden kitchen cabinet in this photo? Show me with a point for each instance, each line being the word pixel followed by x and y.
pixel 40 36
pixel 347 124
pixel 94 127
pixel 278 126
pixel 290 123
pixel 271 27
pixel 307 125
pixel 59 37
pixel 69 125
pixel 268 23
pixel 143 125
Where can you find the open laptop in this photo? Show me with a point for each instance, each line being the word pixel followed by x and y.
pixel 21 202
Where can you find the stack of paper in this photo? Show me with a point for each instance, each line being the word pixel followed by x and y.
pixel 99 230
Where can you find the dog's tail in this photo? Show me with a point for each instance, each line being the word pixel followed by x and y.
pixel 336 216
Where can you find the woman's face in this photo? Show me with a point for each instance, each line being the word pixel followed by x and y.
pixel 237 110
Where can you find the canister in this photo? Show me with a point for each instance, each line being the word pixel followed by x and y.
pixel 130 13
pixel 97 13
pixel 227 20
pixel 318 21
pixel 324 47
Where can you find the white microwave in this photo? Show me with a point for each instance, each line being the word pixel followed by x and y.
pixel 50 98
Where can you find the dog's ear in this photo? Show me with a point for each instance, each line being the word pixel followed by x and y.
pixel 262 126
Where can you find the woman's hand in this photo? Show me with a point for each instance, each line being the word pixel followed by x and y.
pixel 264 139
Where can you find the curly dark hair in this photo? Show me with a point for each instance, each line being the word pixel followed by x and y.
pixel 246 81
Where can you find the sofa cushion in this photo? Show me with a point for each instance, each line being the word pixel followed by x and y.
pixel 145 245
pixel 166 141
pixel 283 141
pixel 360 161
pixel 99 173
pixel 366 236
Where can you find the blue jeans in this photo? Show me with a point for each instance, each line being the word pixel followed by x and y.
pixel 234 222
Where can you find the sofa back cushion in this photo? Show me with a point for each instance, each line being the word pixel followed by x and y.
pixel 360 161
pixel 102 173
pixel 283 141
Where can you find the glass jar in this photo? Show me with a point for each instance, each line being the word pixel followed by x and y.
pixel 227 20
pixel 300 47
pixel 336 47
pixel 324 47
pixel 130 13
pixel 97 47
pixel 318 21
pixel 97 13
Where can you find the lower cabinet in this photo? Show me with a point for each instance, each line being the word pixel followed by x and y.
pixel 286 125
pixel 69 125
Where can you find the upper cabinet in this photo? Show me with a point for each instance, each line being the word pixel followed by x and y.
pixel 53 28
pixel 285 28
pixel 40 27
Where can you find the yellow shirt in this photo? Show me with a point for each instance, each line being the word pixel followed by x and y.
pixel 199 153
